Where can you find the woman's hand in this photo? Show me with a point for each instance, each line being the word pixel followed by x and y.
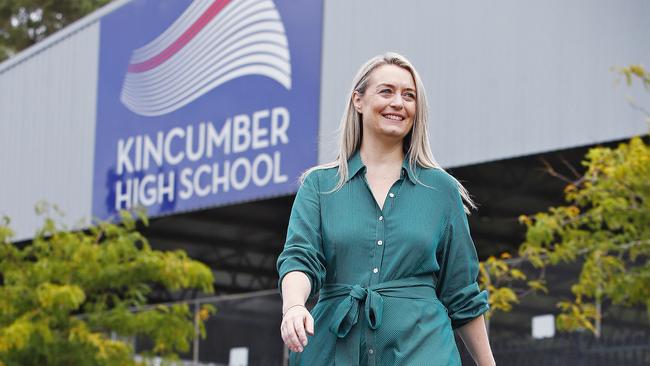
pixel 296 320
pixel 296 324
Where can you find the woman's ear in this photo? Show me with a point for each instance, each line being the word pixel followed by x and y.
pixel 356 100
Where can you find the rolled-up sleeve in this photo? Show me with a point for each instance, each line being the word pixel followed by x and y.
pixel 303 249
pixel 457 288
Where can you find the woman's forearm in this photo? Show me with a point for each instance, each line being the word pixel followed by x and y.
pixel 475 337
pixel 295 289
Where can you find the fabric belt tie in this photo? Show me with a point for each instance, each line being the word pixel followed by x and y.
pixel 346 314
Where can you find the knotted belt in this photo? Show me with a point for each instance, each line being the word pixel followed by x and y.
pixel 346 314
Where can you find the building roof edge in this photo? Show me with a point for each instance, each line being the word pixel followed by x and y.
pixel 62 34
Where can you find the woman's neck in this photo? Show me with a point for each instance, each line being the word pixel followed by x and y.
pixel 377 154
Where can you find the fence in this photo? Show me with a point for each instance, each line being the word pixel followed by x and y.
pixel 629 349
pixel 252 321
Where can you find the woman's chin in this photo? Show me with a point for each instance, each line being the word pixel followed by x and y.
pixel 394 132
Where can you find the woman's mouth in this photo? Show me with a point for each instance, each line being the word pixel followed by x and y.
pixel 393 117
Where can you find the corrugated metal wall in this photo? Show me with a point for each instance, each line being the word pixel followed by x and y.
pixel 504 78
pixel 47 131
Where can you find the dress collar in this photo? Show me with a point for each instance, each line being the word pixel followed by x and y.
pixel 355 165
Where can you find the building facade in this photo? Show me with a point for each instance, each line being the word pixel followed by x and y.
pixel 207 112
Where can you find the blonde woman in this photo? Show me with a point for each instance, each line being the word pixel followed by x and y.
pixel 381 234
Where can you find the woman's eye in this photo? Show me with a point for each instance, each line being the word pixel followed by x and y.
pixel 409 96
pixel 385 91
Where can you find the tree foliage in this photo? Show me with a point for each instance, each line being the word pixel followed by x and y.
pixel 25 22
pixel 64 294
pixel 604 226
pixel 506 283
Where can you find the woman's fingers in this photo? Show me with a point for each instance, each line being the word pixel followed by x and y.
pixel 286 336
pixel 290 337
pixel 309 325
pixel 293 329
pixel 293 336
pixel 299 325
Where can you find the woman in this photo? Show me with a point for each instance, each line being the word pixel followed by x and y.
pixel 381 234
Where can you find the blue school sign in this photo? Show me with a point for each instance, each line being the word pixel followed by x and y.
pixel 205 103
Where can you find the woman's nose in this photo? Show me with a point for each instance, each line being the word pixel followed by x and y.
pixel 397 101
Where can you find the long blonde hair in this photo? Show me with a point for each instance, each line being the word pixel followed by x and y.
pixel 416 142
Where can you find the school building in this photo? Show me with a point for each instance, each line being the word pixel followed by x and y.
pixel 206 113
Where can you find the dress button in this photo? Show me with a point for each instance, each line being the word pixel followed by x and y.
pixel 391 195
pixel 375 270
pixel 379 242
pixel 371 351
pixel 381 218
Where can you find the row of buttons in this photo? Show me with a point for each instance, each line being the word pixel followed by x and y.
pixel 391 195
pixel 380 242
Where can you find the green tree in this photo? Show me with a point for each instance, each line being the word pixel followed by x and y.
pixel 64 294
pixel 604 226
pixel 25 22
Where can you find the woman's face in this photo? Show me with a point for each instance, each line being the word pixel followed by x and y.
pixel 388 105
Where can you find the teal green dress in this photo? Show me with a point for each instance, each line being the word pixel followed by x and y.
pixel 393 283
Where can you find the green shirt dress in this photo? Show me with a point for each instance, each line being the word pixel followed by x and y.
pixel 393 283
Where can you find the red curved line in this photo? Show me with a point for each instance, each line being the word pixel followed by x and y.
pixel 181 41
